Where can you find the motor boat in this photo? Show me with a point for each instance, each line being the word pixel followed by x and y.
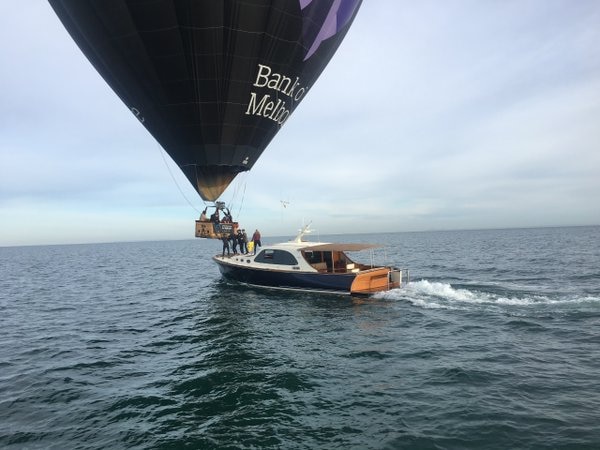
pixel 311 266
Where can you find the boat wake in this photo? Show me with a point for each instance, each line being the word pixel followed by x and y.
pixel 437 295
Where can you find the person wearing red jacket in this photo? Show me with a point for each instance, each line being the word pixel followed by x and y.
pixel 256 240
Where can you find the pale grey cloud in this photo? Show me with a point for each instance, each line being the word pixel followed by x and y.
pixel 432 115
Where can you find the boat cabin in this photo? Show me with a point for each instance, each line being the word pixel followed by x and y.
pixel 331 258
pixel 329 261
pixel 324 258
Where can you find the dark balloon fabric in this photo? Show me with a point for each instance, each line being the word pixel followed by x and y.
pixel 212 80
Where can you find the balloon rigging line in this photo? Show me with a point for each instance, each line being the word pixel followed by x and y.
pixel 242 202
pixel 234 196
pixel 173 178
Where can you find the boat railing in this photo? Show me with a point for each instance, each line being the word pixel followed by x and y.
pixel 399 276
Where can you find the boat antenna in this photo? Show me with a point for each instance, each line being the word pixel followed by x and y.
pixel 304 230
pixel 284 204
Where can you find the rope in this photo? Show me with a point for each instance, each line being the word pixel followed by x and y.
pixel 233 199
pixel 162 154
pixel 242 202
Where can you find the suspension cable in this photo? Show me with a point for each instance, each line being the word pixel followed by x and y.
pixel 162 154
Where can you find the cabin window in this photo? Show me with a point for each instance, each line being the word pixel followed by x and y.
pixel 313 257
pixel 282 257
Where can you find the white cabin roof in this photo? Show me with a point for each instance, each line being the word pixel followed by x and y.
pixel 324 246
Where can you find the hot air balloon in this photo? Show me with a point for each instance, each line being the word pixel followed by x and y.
pixel 212 80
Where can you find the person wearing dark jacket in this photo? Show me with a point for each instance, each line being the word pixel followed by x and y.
pixel 240 240
pixel 225 240
pixel 245 241
pixel 234 242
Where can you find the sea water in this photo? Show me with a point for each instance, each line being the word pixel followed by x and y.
pixel 495 343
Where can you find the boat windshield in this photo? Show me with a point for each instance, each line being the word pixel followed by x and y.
pixel 271 256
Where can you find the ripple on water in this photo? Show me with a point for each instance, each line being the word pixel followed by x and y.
pixel 142 345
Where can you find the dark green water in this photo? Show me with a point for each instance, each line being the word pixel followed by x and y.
pixel 495 344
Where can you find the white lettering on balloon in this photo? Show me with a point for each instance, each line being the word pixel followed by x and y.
pixel 269 105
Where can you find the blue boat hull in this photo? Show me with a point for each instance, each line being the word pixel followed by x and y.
pixel 289 279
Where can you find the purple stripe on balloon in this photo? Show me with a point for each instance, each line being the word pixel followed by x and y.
pixel 339 14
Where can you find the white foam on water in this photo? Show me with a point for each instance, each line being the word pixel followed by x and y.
pixel 436 295
pixel 444 291
pixel 540 299
pixel 533 300
pixel 430 295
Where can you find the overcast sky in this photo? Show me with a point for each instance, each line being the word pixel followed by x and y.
pixel 432 115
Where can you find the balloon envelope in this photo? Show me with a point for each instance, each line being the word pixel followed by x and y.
pixel 212 80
